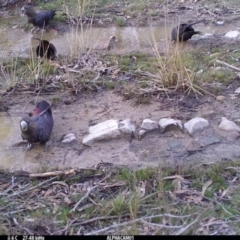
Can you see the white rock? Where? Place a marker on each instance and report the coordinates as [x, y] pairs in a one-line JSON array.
[[233, 96], [109, 124], [126, 126], [228, 125], [206, 35], [142, 132], [148, 124], [220, 23], [196, 123], [69, 138], [237, 91], [165, 122], [232, 34], [200, 71], [220, 98], [102, 131]]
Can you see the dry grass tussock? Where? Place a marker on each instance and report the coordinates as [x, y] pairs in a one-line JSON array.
[[173, 71]]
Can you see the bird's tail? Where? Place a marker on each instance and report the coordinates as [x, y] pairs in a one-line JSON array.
[[37, 39], [197, 32], [191, 24]]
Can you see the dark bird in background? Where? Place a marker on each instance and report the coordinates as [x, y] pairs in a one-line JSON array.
[[37, 126], [111, 43], [46, 49], [38, 19], [184, 31]]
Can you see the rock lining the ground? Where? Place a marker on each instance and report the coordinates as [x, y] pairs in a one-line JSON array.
[[112, 129]]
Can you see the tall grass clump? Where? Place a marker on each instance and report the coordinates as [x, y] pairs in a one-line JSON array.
[[8, 74], [38, 67], [80, 36], [174, 70]]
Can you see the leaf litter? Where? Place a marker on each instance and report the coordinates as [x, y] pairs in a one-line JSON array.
[[96, 201]]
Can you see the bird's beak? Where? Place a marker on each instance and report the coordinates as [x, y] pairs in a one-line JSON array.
[[113, 38], [23, 10], [23, 125]]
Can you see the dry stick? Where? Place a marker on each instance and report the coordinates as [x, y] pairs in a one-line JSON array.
[[228, 65], [99, 219], [30, 189], [109, 175], [213, 223], [94, 203], [134, 221], [214, 201], [66, 227], [4, 193], [9, 204], [49, 174], [187, 227], [11, 189], [210, 13], [82, 199], [16, 223], [161, 225], [113, 185], [13, 212]]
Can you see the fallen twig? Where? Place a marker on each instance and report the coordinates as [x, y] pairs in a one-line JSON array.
[[187, 227], [109, 175], [13, 212], [99, 219], [120, 184], [30, 189], [134, 221], [82, 199], [65, 228], [161, 225], [214, 201], [28, 231], [49, 174], [228, 65]]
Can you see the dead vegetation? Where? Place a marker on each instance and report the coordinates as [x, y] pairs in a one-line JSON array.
[[108, 199]]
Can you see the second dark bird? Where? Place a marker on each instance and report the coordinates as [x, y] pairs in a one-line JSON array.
[[46, 49], [184, 31], [39, 19], [37, 127]]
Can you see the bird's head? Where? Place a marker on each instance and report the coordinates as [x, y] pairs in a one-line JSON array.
[[113, 39], [111, 42], [24, 9], [42, 106], [27, 9], [24, 123]]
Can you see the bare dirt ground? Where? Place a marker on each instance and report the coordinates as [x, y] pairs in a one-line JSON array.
[[87, 110]]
